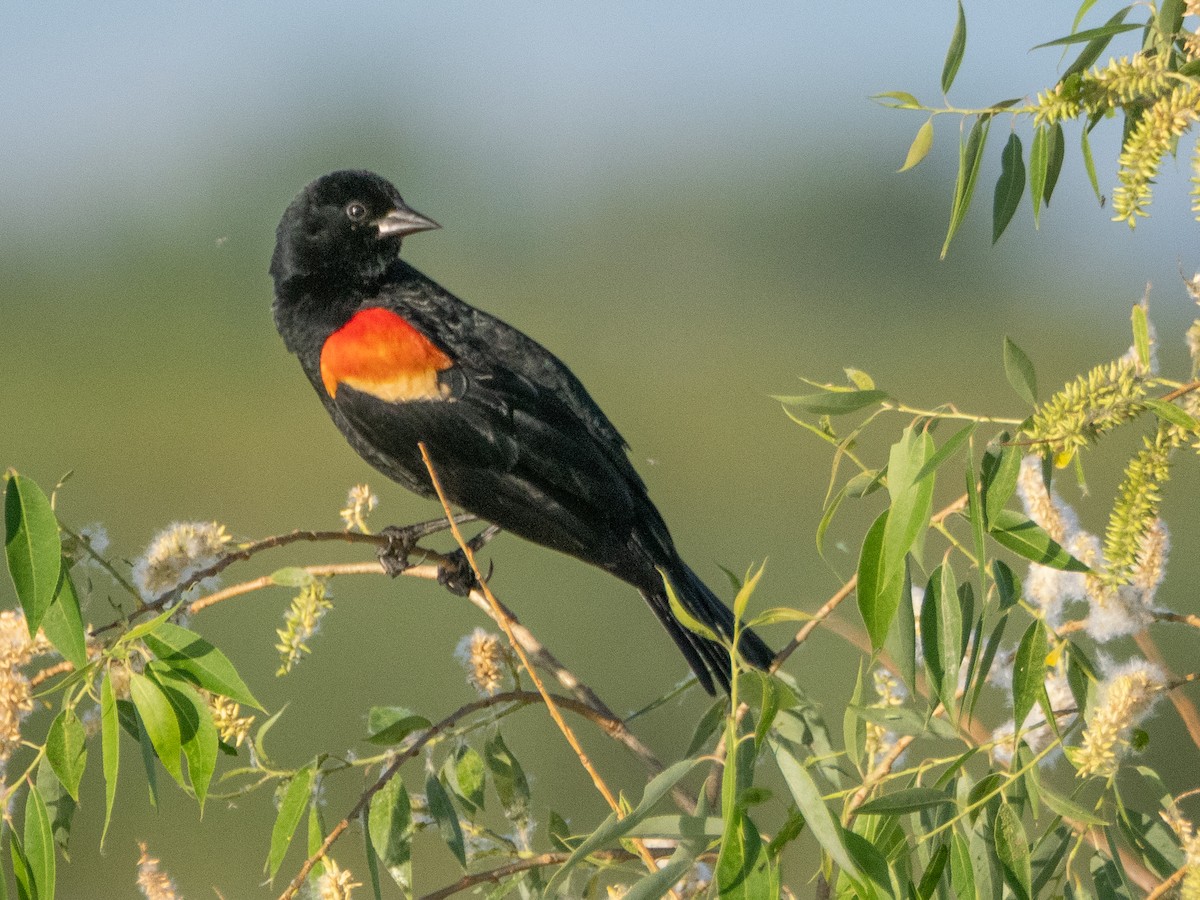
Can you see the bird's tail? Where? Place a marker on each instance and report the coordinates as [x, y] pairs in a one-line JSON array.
[[708, 659]]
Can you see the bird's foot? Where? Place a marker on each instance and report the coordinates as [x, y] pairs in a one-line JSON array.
[[393, 555], [455, 573]]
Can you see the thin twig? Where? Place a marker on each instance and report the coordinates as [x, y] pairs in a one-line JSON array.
[[506, 624]]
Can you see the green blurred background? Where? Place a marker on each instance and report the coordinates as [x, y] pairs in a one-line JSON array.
[[691, 204]]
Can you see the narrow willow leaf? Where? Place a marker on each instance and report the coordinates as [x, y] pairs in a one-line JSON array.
[[1069, 809], [743, 595], [1027, 539], [508, 778], [1169, 412], [292, 576], [59, 805], [879, 588], [316, 836], [1008, 589], [444, 814], [1089, 165], [920, 146], [372, 858], [905, 721], [110, 749], [998, 475], [658, 884], [197, 733], [1096, 46], [158, 718], [906, 801], [962, 875], [834, 402], [613, 828], [66, 750], [1018, 369], [870, 862], [901, 641], [901, 100], [1029, 671], [291, 810], [1089, 34], [706, 727], [1039, 163], [26, 889], [186, 651], [947, 450], [39, 844], [912, 497], [32, 546], [742, 871], [969, 156], [821, 822], [976, 513], [941, 634], [392, 724], [954, 54], [469, 776], [1012, 849], [63, 622], [1010, 186], [933, 872], [686, 619], [1055, 151]]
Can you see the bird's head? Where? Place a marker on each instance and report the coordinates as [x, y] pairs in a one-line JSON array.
[[346, 224]]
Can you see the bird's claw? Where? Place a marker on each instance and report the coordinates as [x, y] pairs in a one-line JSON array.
[[393, 555], [455, 574]]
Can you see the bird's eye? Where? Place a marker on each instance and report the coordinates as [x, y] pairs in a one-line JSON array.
[[355, 211]]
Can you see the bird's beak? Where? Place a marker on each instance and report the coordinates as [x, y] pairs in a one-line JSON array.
[[402, 221]]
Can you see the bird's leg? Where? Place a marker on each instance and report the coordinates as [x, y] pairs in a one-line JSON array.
[[393, 555], [454, 574]]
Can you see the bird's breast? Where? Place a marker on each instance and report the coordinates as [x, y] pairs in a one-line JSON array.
[[379, 353]]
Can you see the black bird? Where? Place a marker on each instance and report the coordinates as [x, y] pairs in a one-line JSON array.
[[513, 435]]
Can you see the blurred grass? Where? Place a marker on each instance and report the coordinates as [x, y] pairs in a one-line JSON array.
[[141, 355]]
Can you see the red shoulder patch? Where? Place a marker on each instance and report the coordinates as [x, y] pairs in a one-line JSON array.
[[381, 354]]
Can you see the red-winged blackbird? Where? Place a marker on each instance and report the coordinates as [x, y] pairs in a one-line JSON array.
[[513, 435]]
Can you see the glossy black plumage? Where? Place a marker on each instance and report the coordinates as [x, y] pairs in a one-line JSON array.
[[515, 437]]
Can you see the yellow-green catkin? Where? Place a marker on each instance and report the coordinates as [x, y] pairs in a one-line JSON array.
[[1095, 403]]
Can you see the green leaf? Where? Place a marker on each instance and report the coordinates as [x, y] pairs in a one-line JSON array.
[[743, 595], [1029, 671], [962, 876], [1010, 186], [777, 614], [110, 748], [26, 889], [1069, 809], [707, 726], [372, 857], [685, 618], [59, 805], [920, 146], [158, 718], [128, 716], [903, 100], [1019, 371], [941, 634], [187, 652], [39, 844], [998, 473], [901, 641], [63, 622], [292, 576], [1012, 849], [1055, 151], [954, 55], [945, 451], [912, 497], [443, 813], [32, 546], [742, 872], [198, 734], [903, 720], [1173, 414], [879, 588], [834, 402], [1008, 589], [1039, 163], [933, 872], [392, 724], [906, 801], [287, 820], [66, 750], [1027, 539], [612, 829], [1090, 34], [1089, 165], [316, 837], [807, 795], [469, 775], [969, 156], [508, 778]]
